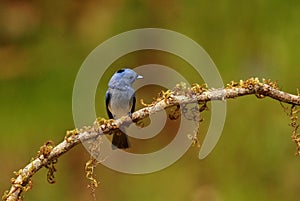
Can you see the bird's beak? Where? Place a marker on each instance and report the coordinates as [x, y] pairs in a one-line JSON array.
[[139, 77]]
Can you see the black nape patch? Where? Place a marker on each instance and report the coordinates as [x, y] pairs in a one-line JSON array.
[[120, 71]]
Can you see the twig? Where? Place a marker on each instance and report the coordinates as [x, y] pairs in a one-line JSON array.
[[49, 153]]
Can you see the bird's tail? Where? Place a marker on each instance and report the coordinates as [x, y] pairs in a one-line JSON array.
[[120, 140]]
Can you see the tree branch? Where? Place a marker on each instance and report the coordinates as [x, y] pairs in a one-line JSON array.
[[49, 153]]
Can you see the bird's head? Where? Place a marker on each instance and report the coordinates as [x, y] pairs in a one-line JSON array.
[[125, 76]]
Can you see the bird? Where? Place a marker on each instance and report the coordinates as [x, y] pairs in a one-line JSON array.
[[120, 101]]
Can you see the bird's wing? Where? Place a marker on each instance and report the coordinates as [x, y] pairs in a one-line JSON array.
[[133, 100], [107, 101]]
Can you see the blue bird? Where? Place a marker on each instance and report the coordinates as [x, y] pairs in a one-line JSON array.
[[120, 101]]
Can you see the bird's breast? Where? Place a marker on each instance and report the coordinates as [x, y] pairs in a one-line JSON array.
[[120, 103]]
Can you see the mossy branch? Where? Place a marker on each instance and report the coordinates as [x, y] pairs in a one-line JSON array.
[[49, 153]]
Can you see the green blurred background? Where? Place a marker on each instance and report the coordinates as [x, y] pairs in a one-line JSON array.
[[43, 44]]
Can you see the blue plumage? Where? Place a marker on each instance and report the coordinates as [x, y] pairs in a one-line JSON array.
[[120, 101]]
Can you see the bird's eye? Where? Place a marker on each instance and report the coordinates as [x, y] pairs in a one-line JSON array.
[[120, 71], [131, 77]]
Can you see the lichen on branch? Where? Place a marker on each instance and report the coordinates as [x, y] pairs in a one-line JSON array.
[[180, 95]]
